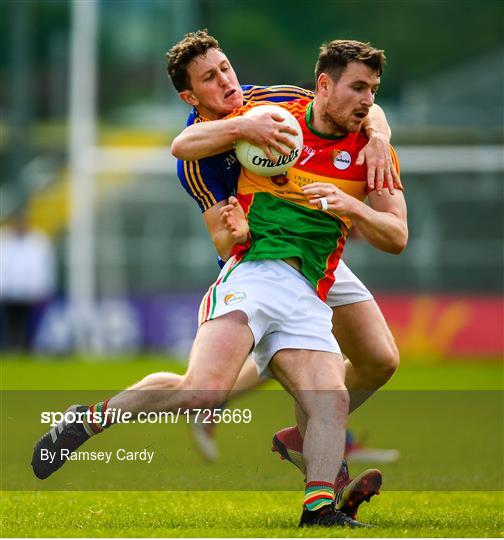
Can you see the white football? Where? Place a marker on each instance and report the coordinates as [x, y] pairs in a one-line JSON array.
[[253, 158]]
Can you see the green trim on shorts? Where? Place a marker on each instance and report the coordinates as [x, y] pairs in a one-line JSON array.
[[214, 292], [214, 302], [230, 270]]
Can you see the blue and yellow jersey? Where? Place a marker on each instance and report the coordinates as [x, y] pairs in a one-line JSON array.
[[213, 179]]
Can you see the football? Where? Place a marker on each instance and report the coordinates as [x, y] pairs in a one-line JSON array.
[[253, 158]]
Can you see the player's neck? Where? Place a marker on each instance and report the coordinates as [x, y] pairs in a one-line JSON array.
[[322, 123], [206, 114]]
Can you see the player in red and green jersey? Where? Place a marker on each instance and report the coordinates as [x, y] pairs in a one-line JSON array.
[[280, 215], [357, 319], [283, 223]]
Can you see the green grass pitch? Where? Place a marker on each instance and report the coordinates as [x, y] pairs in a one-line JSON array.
[[440, 512]]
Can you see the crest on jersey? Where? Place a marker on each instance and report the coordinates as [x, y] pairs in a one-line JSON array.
[[280, 180], [341, 159], [234, 298]]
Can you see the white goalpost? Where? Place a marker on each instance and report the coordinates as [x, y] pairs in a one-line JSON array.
[[81, 142]]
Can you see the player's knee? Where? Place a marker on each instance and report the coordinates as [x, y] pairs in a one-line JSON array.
[[336, 411], [200, 399], [390, 362], [385, 365], [203, 396], [212, 398], [329, 404], [336, 391], [342, 399]]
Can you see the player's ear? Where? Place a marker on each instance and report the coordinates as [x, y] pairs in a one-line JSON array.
[[323, 84], [188, 97]]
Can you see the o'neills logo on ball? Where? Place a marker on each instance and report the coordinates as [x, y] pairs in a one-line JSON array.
[[341, 159], [281, 160]]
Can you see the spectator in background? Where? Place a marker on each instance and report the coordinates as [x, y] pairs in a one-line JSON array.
[[27, 279]]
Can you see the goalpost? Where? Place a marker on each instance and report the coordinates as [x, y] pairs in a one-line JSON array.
[[81, 142]]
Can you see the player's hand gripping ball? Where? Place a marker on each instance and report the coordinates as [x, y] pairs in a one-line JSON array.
[[253, 157]]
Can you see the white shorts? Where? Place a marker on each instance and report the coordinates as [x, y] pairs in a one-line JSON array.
[[282, 307], [347, 288]]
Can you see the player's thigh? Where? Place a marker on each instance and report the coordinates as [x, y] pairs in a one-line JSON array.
[[363, 334], [219, 351]]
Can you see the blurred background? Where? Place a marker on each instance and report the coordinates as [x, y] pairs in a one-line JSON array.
[[103, 252]]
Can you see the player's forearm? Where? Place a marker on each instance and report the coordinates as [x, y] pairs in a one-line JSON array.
[[206, 139], [376, 123], [385, 231], [224, 242]]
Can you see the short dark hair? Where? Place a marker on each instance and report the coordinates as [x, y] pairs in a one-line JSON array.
[[336, 55], [184, 52]]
